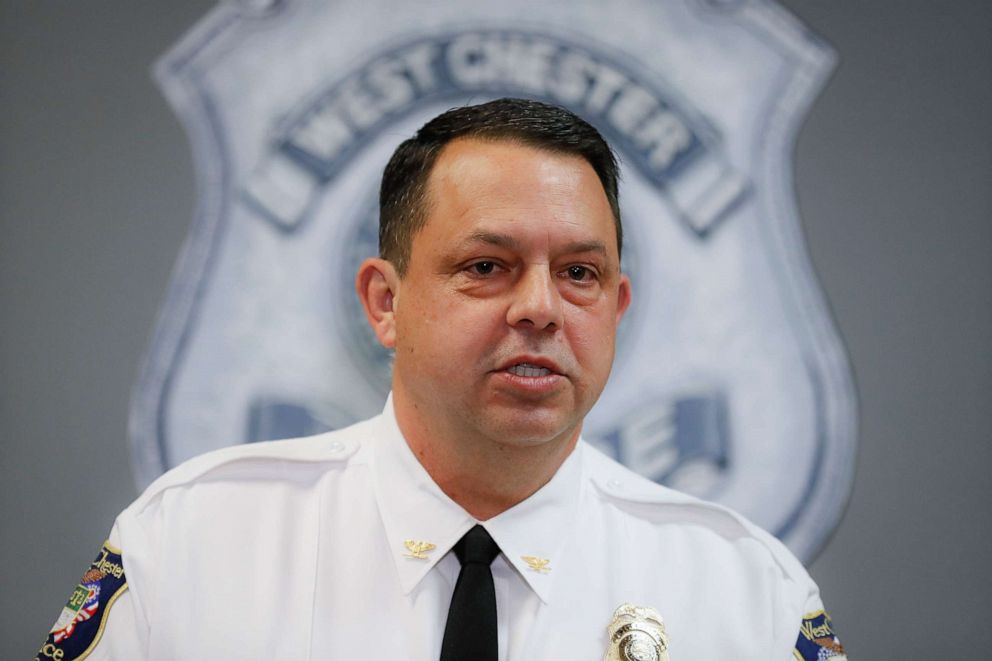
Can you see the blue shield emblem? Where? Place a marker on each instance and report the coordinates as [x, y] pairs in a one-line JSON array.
[[730, 380]]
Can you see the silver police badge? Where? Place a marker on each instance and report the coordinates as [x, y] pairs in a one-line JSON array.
[[636, 633], [730, 381]]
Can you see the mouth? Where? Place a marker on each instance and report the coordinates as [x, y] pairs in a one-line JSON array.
[[530, 377], [528, 370], [531, 367]]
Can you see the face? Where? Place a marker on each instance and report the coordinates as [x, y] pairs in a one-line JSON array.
[[505, 321]]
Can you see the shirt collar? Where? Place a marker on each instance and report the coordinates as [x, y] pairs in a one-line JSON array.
[[534, 534], [415, 510]]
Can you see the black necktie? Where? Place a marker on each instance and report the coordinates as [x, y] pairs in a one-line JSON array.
[[470, 634]]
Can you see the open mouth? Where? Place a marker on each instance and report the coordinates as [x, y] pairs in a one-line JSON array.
[[528, 370]]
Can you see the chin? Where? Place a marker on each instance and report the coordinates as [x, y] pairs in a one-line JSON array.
[[525, 433]]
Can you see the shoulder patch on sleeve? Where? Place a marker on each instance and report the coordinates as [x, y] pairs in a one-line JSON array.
[[80, 625], [817, 640]]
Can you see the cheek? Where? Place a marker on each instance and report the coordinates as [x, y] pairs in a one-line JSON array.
[[443, 327], [592, 337]]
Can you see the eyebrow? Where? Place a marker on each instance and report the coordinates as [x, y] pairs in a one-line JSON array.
[[509, 242], [492, 239]]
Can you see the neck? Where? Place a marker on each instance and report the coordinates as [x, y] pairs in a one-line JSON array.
[[484, 476]]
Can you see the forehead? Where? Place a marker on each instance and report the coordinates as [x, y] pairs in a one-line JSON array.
[[515, 188]]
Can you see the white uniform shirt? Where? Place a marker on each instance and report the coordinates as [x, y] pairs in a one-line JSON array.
[[298, 550]]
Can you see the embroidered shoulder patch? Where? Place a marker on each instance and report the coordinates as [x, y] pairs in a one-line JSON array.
[[817, 640], [80, 625]]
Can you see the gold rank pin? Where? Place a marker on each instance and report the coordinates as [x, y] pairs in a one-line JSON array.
[[540, 565], [417, 549]]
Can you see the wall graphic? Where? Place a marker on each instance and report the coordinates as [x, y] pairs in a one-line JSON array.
[[730, 380]]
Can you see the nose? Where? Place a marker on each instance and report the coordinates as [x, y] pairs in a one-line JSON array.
[[536, 301]]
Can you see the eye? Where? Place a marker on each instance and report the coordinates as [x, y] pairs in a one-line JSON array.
[[578, 273], [482, 268]]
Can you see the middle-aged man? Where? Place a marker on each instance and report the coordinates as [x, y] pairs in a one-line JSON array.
[[468, 521]]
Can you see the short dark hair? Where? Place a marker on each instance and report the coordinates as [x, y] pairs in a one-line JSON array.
[[402, 196]]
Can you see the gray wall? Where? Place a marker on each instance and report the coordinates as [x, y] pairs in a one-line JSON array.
[[893, 179]]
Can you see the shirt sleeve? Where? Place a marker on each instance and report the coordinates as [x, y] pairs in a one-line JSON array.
[[100, 621]]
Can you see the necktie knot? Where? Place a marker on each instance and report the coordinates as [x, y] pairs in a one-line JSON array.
[[476, 547]]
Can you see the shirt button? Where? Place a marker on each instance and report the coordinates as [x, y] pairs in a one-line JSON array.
[[615, 484], [336, 447]]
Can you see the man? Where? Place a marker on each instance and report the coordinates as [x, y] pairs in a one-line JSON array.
[[468, 521]]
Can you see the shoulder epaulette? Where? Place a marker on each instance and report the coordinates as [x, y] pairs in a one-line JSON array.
[[642, 498], [334, 447]]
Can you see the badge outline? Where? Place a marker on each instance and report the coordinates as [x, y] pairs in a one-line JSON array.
[[813, 322]]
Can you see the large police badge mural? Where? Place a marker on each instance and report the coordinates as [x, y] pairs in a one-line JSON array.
[[730, 381]]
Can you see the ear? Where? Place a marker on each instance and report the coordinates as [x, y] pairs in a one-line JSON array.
[[377, 284], [623, 296]]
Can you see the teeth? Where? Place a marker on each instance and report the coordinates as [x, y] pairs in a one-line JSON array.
[[526, 369]]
